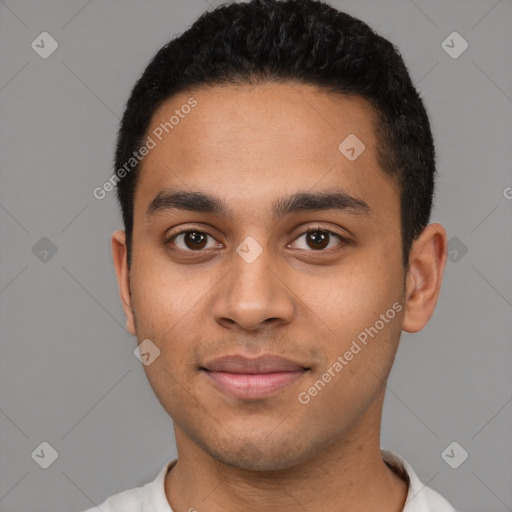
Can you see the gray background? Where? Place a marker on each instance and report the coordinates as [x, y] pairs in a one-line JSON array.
[[68, 375]]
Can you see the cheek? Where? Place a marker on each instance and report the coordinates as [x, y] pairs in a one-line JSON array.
[[164, 298], [358, 303], [359, 362], [172, 389], [166, 311], [350, 298]]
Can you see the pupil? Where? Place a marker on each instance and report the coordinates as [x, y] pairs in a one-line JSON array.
[[196, 238], [318, 238]]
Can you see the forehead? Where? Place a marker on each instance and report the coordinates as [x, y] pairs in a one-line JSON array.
[[252, 143]]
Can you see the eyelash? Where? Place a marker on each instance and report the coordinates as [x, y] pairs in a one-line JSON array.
[[309, 229]]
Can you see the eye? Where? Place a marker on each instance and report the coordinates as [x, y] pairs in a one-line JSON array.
[[195, 240], [191, 240], [320, 239]]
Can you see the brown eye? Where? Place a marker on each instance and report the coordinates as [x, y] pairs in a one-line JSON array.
[[195, 240], [191, 240], [319, 239]]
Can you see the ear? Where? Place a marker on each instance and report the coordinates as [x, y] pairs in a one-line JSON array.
[[427, 262], [119, 255]]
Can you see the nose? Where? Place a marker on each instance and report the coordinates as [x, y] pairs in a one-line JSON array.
[[254, 294]]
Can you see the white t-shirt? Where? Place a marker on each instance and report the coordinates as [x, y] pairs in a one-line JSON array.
[[151, 497]]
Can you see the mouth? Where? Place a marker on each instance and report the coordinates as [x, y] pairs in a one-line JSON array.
[[252, 379]]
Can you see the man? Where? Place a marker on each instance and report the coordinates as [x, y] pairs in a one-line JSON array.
[[275, 171]]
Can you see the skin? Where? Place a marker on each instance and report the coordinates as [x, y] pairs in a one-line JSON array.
[[248, 146]]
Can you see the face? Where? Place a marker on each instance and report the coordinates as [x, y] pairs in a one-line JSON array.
[[272, 266]]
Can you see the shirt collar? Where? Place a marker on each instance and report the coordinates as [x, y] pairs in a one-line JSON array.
[[154, 498]]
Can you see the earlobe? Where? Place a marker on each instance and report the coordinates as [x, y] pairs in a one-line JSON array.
[[424, 277], [119, 253]]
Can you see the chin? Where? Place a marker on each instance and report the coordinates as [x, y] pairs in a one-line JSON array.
[[259, 456]]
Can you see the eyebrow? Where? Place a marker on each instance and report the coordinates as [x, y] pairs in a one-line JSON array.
[[176, 199]]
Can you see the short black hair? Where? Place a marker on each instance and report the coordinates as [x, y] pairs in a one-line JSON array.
[[294, 41]]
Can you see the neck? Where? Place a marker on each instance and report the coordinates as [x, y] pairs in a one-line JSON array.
[[348, 475]]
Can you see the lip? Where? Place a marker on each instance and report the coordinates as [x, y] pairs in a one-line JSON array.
[[266, 363], [252, 378]]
